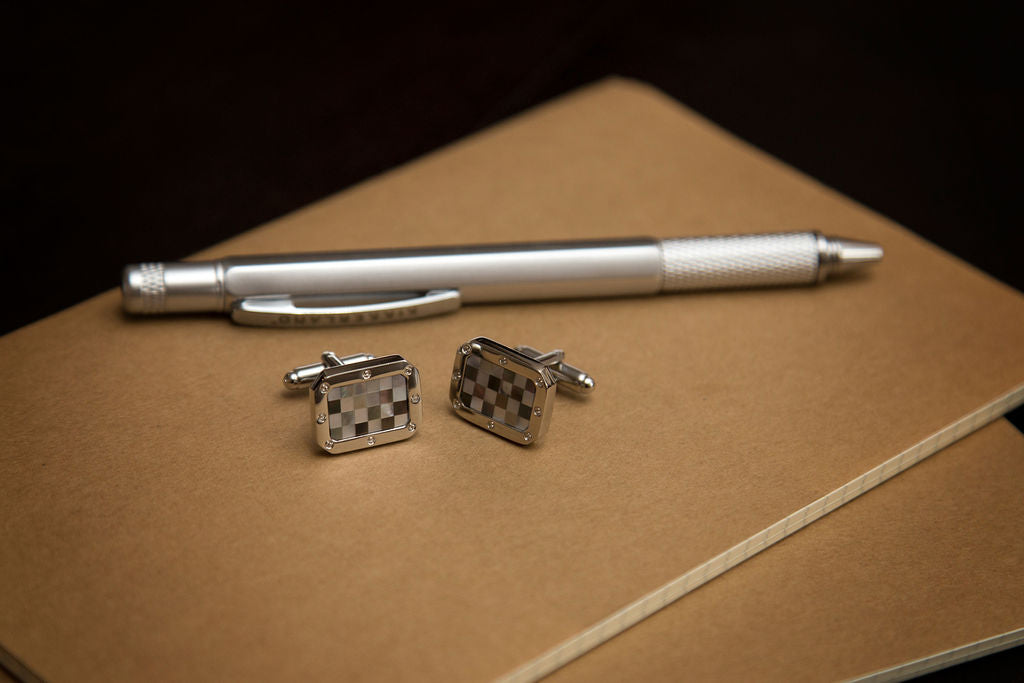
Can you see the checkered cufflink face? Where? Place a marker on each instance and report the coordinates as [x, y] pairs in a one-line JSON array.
[[497, 393], [501, 390], [365, 404], [369, 407]]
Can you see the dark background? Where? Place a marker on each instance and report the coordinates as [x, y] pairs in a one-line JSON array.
[[144, 134]]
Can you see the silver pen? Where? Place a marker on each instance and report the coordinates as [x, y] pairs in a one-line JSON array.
[[357, 287]]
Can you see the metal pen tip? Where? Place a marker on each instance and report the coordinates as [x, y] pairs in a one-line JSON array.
[[840, 255]]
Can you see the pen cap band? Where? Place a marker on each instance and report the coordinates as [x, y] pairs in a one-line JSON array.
[[172, 288]]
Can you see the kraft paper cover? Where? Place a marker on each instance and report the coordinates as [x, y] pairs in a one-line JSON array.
[[926, 563], [164, 509]]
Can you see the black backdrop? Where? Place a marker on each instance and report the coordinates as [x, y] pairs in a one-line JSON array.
[[147, 134]]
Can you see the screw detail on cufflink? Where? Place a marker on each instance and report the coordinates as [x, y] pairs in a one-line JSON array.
[[508, 391], [359, 401]]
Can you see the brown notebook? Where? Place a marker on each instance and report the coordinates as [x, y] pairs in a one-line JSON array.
[[906, 579], [165, 511]]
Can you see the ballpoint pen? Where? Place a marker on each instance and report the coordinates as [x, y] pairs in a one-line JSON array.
[[356, 287]]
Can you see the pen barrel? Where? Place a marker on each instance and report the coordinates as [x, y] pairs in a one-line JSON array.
[[486, 273], [481, 273], [733, 261]]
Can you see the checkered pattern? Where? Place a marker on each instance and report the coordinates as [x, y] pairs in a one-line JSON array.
[[498, 393], [375, 405]]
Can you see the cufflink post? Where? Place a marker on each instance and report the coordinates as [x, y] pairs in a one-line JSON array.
[[569, 376], [304, 375]]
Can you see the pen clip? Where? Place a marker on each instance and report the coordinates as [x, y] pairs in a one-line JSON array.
[[287, 311]]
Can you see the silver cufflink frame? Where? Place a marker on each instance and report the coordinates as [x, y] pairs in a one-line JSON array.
[[510, 391], [340, 427]]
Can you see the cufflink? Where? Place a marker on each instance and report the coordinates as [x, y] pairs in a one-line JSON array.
[[510, 391], [359, 401]]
